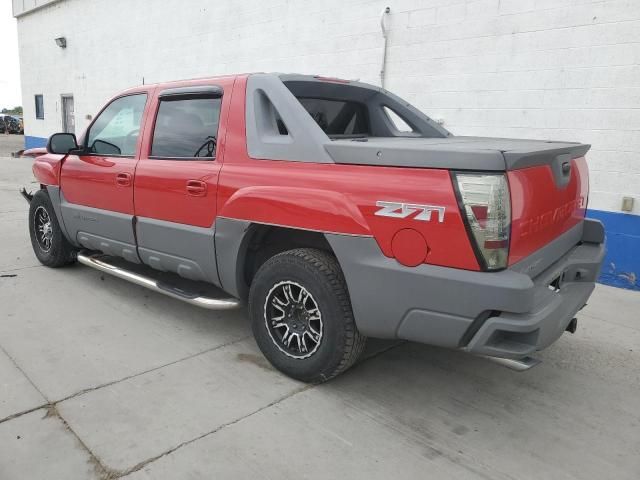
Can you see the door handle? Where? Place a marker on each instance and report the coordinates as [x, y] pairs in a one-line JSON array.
[[123, 179], [196, 188]]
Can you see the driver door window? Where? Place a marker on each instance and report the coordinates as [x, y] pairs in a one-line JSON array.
[[116, 130]]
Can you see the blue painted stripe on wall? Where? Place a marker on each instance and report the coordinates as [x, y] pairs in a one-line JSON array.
[[34, 142], [621, 267]]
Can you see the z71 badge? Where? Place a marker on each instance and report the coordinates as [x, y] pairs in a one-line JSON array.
[[404, 210]]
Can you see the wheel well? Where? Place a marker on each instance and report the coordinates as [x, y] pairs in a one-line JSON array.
[[265, 241]]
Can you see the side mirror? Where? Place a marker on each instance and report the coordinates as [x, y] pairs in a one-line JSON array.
[[62, 143], [105, 148]]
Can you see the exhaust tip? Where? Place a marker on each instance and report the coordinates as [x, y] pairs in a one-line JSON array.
[[517, 364], [573, 326]]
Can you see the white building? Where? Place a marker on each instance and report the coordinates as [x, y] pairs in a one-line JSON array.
[[556, 69]]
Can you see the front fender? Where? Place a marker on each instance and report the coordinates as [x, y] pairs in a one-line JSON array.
[[46, 168], [302, 208]]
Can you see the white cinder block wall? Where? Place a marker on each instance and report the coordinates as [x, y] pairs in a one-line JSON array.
[[553, 69]]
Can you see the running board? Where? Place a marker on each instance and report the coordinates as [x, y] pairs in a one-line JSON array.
[[92, 260], [517, 364]]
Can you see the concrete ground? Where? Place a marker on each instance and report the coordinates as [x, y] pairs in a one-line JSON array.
[[103, 379], [10, 144]]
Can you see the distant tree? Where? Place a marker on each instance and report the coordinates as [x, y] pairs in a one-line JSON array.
[[13, 111]]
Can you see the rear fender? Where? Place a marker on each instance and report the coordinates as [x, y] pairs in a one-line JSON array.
[[302, 208]]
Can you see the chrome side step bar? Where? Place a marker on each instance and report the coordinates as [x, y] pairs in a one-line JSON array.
[[517, 364], [92, 260]]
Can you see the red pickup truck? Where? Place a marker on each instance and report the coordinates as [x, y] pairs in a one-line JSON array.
[[335, 209]]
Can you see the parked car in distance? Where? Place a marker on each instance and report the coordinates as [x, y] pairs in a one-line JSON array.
[[20, 125], [11, 123], [335, 209]]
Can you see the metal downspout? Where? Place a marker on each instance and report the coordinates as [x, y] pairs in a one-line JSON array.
[[385, 35]]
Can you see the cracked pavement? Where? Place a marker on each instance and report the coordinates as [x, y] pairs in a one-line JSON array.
[[101, 379]]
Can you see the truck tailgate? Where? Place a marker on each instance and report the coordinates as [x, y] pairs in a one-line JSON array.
[[546, 201]]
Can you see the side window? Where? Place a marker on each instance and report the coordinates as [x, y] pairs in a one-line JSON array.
[[39, 107], [186, 128], [116, 130]]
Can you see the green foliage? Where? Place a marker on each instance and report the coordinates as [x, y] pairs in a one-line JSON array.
[[12, 111]]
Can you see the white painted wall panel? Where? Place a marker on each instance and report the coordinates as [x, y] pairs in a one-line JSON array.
[[20, 7], [557, 69]]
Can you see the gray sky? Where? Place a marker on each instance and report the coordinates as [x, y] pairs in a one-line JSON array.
[[9, 65]]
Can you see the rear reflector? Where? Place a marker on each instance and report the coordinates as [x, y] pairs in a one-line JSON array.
[[490, 244]]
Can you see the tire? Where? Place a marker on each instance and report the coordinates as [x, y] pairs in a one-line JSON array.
[[49, 244], [312, 282]]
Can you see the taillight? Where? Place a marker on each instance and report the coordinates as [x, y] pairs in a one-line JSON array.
[[484, 201]]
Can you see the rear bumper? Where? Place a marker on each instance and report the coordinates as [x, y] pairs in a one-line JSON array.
[[507, 314], [558, 294]]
